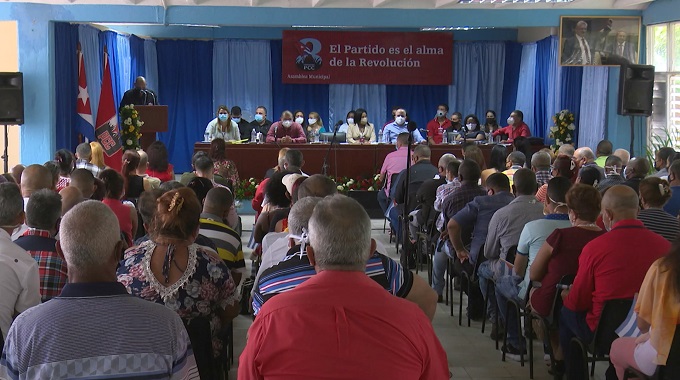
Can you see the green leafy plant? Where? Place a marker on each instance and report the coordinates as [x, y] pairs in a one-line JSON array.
[[245, 189]]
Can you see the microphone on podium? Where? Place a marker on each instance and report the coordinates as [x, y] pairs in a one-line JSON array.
[[338, 124]]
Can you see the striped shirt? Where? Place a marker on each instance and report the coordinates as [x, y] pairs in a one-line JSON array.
[[83, 164], [42, 247], [227, 241], [120, 336], [660, 222], [295, 269]]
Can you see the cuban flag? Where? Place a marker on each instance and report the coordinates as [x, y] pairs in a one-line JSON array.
[[107, 121], [84, 124]]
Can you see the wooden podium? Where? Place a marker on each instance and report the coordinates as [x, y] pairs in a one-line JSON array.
[[155, 120]]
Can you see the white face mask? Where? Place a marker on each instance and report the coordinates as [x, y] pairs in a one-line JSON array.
[[287, 123], [400, 120], [350, 120], [364, 120], [299, 120], [449, 181], [511, 120], [471, 126], [440, 113], [311, 121]]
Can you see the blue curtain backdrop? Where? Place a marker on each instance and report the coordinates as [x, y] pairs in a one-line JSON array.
[[137, 67], [186, 85], [553, 101], [66, 84], [307, 97], [570, 91], [546, 61], [513, 60], [89, 43], [242, 75], [346, 97], [593, 106], [151, 67], [118, 47], [478, 71], [527, 85]]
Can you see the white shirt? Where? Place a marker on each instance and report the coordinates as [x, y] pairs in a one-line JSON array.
[[586, 59], [19, 281], [23, 228], [214, 133]]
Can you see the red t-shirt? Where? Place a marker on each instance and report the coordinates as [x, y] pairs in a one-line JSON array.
[[165, 176], [433, 129], [613, 266], [567, 244], [123, 215], [513, 133]]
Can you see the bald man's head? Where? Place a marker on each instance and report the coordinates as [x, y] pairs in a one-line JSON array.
[[34, 178], [218, 201], [70, 197], [637, 168], [317, 186], [84, 181], [620, 202]]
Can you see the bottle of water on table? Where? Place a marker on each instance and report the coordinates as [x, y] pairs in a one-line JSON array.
[[206, 137], [253, 136]]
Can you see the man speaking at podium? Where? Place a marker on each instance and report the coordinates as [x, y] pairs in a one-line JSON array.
[[139, 95]]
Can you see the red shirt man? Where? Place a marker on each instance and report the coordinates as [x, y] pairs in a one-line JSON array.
[[434, 136], [516, 127]]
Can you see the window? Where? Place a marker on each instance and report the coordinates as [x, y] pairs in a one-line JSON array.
[[663, 42]]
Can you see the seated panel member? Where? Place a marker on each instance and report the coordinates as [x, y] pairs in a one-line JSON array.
[[434, 136], [515, 128], [286, 130], [473, 131], [222, 127], [244, 126], [362, 132], [260, 122], [392, 130], [350, 121]]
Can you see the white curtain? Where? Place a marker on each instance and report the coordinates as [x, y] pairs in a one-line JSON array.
[[593, 113], [151, 66], [89, 43], [526, 85], [343, 98]]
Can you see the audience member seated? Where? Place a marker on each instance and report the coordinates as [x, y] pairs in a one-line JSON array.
[[159, 166], [16, 172], [514, 286], [205, 168], [223, 167], [635, 172], [567, 150], [70, 197], [260, 122], [188, 176], [468, 175], [362, 132], [339, 247], [654, 193], [392, 130], [613, 167], [279, 218], [437, 126], [216, 207], [584, 157], [472, 152], [496, 162], [143, 167], [126, 214], [589, 176], [673, 205], [83, 157], [473, 130], [64, 159], [97, 155], [540, 164], [258, 200], [179, 274], [658, 315], [43, 212], [84, 181], [53, 167], [223, 127], [563, 166], [394, 163], [611, 266], [57, 340], [200, 186], [604, 149], [443, 191], [33, 178], [661, 161], [504, 231], [286, 130], [133, 183], [19, 277], [478, 214], [559, 255], [514, 162], [276, 196], [624, 155], [294, 161], [515, 128]]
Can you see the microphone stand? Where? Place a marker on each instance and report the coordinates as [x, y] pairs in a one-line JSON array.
[[324, 167], [404, 257]]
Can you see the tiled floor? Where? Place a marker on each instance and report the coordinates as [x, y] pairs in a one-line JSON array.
[[471, 355]]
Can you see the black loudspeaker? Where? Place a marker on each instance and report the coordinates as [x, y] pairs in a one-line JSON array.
[[636, 89], [11, 98]]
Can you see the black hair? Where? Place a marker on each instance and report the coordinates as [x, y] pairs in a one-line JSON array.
[[498, 156], [65, 161], [498, 182]]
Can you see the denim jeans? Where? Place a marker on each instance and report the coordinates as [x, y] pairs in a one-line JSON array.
[[486, 275], [439, 265], [383, 200], [507, 289], [573, 324]]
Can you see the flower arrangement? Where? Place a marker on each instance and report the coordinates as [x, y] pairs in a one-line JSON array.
[[346, 184], [563, 129], [245, 189], [130, 130]]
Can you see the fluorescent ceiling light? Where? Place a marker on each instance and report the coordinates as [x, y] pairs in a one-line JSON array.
[[447, 28], [511, 1]]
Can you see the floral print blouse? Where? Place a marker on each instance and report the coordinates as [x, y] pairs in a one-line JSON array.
[[205, 289], [227, 169]]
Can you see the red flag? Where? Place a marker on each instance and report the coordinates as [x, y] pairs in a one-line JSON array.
[[107, 121]]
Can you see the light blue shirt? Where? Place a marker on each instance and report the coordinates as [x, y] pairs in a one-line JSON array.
[[392, 131]]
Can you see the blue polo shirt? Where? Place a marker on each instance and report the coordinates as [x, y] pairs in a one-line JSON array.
[[393, 130]]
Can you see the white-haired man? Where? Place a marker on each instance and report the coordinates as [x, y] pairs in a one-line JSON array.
[[120, 336], [374, 335], [584, 157]]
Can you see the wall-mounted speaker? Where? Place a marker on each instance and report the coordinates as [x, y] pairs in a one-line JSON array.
[[11, 98], [636, 90]]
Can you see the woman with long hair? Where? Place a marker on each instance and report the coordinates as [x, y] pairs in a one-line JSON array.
[[97, 158], [362, 132], [223, 167], [133, 184], [490, 124], [158, 165], [473, 131], [314, 126], [126, 214], [66, 163], [299, 117], [222, 127], [496, 162]]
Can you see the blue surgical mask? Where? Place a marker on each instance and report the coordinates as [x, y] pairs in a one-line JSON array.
[[236, 119], [259, 117], [223, 117]]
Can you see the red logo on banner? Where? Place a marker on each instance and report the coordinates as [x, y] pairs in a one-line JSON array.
[[367, 58]]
